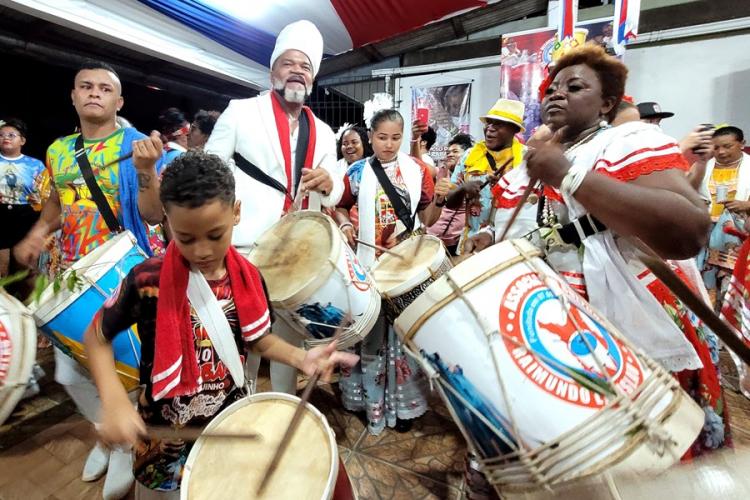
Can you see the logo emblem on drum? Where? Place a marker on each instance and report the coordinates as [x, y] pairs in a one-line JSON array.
[[6, 352], [357, 273], [531, 315]]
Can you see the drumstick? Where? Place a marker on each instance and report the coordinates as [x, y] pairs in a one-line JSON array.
[[519, 207], [296, 417], [192, 434], [378, 247], [116, 160], [665, 273]]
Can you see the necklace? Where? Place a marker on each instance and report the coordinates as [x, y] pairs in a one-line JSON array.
[[587, 138], [730, 164]]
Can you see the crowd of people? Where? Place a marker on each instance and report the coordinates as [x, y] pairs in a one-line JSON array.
[[197, 195]]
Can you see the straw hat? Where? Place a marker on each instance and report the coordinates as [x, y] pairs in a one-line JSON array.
[[506, 110]]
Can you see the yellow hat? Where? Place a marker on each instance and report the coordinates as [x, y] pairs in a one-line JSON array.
[[506, 110]]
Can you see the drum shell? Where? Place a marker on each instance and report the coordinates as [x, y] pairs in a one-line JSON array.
[[65, 315], [397, 298], [486, 282], [17, 352], [270, 437], [341, 286]]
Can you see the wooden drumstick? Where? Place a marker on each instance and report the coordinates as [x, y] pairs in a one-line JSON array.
[[519, 207], [378, 247], [192, 434], [297, 416], [117, 160]]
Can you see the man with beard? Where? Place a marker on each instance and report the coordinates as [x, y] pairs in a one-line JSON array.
[[280, 153]]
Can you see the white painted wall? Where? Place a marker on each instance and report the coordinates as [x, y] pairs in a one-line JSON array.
[[702, 81], [485, 90]]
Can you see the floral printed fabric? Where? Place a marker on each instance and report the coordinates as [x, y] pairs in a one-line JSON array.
[[703, 385], [387, 384]]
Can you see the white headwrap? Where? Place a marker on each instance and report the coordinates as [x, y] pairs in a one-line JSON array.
[[302, 36]]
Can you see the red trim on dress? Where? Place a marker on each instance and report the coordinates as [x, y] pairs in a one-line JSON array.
[[645, 167]]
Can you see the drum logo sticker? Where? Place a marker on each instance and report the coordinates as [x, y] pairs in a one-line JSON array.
[[357, 273], [6, 352], [545, 342]]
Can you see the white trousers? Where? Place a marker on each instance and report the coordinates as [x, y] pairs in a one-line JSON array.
[[78, 384], [283, 377]]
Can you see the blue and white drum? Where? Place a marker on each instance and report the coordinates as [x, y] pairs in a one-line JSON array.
[[64, 315]]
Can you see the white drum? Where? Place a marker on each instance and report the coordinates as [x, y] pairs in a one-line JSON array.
[[315, 280], [401, 278], [544, 389], [223, 468], [17, 352]]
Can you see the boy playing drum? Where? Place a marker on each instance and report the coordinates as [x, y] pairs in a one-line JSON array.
[[189, 375]]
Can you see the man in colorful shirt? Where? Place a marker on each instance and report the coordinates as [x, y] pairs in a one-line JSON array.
[[131, 189], [499, 152]]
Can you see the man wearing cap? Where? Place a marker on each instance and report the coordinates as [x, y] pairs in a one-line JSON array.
[[651, 113], [279, 153], [499, 152]]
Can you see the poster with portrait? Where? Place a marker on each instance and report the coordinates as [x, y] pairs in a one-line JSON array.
[[524, 57], [447, 109]]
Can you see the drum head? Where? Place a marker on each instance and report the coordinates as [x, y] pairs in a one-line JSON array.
[[224, 468], [391, 272], [292, 253]]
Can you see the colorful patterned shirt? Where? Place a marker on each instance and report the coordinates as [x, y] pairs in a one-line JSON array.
[[722, 178], [21, 179], [159, 464], [83, 227], [385, 215]]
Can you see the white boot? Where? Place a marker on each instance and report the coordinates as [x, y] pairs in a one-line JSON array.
[[119, 476], [96, 463]]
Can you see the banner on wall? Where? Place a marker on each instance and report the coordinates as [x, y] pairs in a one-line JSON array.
[[447, 110], [524, 57]]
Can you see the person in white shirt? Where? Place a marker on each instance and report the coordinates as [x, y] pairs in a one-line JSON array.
[[279, 151]]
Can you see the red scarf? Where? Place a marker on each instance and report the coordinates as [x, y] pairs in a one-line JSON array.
[[282, 128], [175, 371]]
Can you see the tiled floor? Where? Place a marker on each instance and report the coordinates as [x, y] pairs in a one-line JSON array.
[[425, 463]]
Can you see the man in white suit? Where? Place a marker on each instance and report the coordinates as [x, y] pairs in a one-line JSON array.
[[279, 151]]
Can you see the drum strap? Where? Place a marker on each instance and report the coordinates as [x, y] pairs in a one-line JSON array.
[[256, 173], [96, 192], [216, 324], [303, 142], [399, 206]]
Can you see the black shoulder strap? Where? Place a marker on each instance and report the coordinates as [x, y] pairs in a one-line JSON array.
[[303, 140], [96, 192], [402, 212], [257, 174], [491, 161]]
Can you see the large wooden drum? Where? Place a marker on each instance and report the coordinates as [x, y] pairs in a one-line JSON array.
[[223, 468]]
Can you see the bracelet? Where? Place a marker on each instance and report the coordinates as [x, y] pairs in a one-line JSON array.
[[572, 181], [441, 203], [346, 224]]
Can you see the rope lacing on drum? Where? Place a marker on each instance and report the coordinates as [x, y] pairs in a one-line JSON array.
[[659, 438]]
